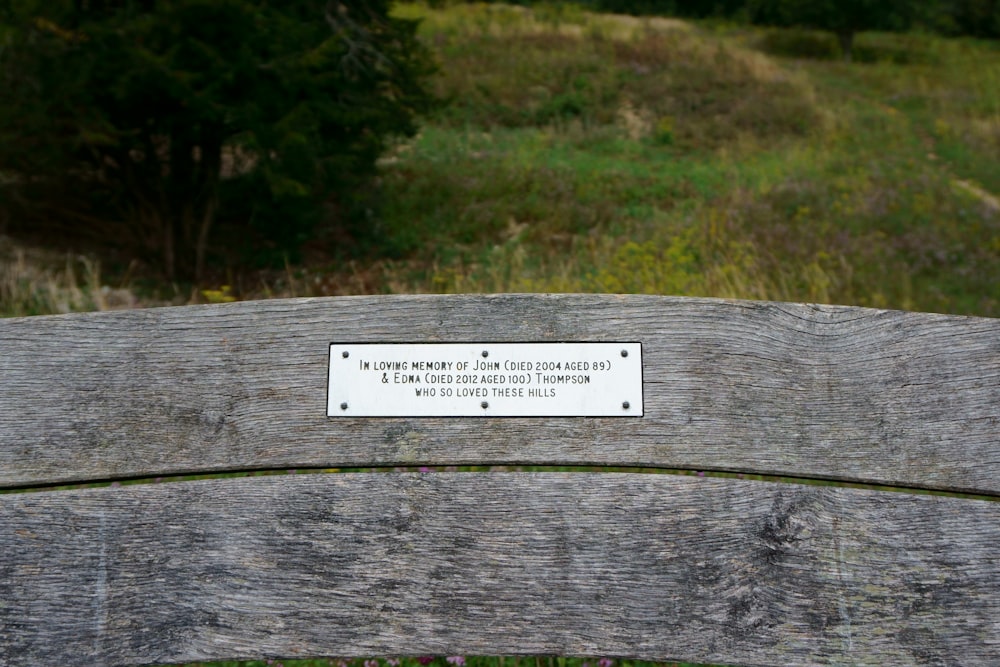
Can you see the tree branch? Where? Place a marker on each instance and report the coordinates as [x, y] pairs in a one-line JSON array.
[[360, 52]]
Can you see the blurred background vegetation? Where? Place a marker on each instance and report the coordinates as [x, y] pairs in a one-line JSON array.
[[163, 152]]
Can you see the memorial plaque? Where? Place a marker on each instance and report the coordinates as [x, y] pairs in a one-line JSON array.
[[485, 380]]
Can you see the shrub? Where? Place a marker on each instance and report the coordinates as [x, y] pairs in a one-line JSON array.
[[162, 123], [799, 44]]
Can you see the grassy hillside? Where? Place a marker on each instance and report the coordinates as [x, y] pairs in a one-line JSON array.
[[605, 153], [585, 152]]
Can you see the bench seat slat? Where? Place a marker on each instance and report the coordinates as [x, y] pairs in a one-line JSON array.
[[660, 567], [904, 399]]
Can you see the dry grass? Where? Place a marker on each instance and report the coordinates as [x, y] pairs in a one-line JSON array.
[[512, 67], [501, 20], [35, 281]]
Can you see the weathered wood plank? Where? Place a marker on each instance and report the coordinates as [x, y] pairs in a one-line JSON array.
[[843, 393], [654, 566]]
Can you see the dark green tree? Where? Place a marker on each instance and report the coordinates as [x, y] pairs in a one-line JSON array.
[[844, 18], [160, 120], [980, 18]]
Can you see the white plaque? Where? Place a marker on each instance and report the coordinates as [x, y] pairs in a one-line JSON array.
[[485, 380]]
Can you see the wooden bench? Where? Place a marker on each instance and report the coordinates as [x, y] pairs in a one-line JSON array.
[[631, 563]]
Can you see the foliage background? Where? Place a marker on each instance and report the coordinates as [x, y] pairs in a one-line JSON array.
[[158, 124], [580, 151]]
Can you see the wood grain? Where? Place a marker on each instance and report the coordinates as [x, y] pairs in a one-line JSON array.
[[660, 567], [886, 397]]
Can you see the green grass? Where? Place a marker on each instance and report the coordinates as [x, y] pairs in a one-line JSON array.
[[590, 153]]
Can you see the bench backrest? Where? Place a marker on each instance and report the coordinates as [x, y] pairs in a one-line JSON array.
[[713, 568]]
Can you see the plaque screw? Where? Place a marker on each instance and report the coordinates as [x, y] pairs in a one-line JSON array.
[[343, 406], [484, 405], [345, 354], [625, 405], [624, 353], [485, 353]]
